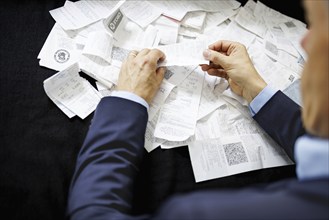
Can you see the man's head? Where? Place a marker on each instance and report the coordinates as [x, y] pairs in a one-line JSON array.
[[315, 81]]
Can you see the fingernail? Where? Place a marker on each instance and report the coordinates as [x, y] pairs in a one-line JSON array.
[[206, 54]]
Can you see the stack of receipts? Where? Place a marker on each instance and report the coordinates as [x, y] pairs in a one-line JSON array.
[[191, 107]]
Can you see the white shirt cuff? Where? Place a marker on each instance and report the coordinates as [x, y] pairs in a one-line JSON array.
[[261, 99], [312, 161], [130, 96]]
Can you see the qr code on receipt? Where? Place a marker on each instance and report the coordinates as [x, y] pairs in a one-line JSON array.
[[235, 153]]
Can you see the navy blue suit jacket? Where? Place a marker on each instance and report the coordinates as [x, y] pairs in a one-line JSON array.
[[102, 185]]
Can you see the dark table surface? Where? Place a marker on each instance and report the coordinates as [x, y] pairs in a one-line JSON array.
[[39, 144]]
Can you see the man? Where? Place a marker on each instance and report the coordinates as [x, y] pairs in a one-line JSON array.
[[109, 160]]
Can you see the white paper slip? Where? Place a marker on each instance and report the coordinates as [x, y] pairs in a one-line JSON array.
[[94, 67], [294, 92], [62, 107], [177, 74], [124, 31], [167, 30], [233, 32], [295, 31], [268, 68], [213, 6], [160, 98], [175, 144], [211, 98], [147, 39], [184, 54], [254, 24], [282, 57], [217, 124], [79, 14], [215, 18], [74, 92], [151, 142], [178, 115], [217, 158], [194, 19], [229, 93], [99, 44], [141, 12], [59, 51], [104, 90], [173, 9], [281, 41], [178, 9]]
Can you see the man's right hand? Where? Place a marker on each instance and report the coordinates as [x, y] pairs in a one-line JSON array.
[[230, 60]]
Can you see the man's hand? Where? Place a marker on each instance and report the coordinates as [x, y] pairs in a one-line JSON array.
[[230, 60], [139, 73]]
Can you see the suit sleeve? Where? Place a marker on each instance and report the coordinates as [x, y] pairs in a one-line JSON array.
[[280, 117], [108, 162]]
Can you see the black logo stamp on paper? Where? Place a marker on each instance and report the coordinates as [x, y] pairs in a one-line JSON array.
[[115, 21], [61, 56]]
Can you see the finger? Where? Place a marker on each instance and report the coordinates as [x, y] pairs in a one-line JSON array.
[[226, 47], [222, 45], [132, 54], [143, 52], [218, 72], [156, 54], [205, 67], [215, 57], [160, 73], [211, 65]]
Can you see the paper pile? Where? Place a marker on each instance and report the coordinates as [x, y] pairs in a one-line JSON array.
[[191, 107]]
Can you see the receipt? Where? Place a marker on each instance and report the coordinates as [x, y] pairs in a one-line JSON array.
[[168, 30], [75, 15], [178, 9], [184, 54], [268, 68], [233, 32], [254, 24], [99, 44], [211, 98], [178, 115], [215, 18], [73, 91], [147, 39], [151, 142], [160, 97], [141, 12], [194, 19], [59, 50]]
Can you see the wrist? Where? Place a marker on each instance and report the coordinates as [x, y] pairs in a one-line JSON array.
[[251, 92]]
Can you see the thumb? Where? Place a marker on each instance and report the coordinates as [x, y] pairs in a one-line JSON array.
[[215, 57]]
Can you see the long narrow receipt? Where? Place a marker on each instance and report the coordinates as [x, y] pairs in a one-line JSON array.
[[184, 54], [99, 44], [72, 91], [160, 97], [211, 98], [178, 115], [152, 142]]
